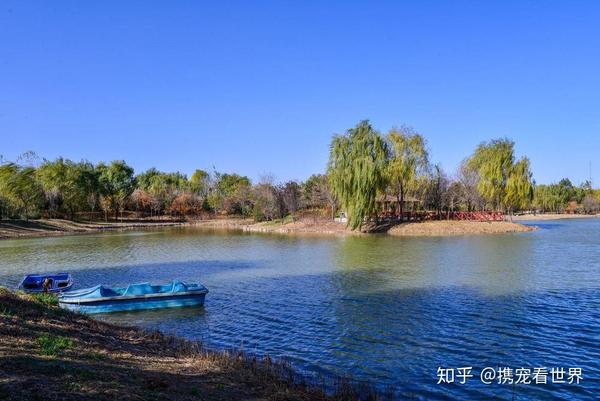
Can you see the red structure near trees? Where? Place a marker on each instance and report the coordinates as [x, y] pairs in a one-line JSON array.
[[445, 215]]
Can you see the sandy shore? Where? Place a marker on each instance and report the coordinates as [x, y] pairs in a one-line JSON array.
[[47, 353], [449, 228], [56, 227], [328, 227], [553, 216], [305, 225]]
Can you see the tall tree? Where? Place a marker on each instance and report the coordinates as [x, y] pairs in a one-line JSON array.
[[316, 193], [495, 163], [20, 190], [199, 182], [408, 158], [67, 185], [519, 187], [229, 193], [436, 190], [117, 183], [356, 170], [291, 197], [468, 178]]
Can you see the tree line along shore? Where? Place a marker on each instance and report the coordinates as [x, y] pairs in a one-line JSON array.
[[369, 177]]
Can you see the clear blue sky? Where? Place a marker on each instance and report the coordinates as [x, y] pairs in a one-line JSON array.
[[258, 87]]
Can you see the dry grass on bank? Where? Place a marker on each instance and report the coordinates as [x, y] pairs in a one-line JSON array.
[[305, 224], [301, 225], [53, 227], [322, 225], [454, 227], [47, 353]]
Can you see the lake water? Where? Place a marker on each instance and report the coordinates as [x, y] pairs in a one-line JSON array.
[[389, 310]]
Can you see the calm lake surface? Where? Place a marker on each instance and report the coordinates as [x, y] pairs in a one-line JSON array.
[[389, 310]]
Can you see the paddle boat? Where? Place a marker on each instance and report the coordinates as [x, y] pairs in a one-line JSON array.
[[102, 299], [54, 282]]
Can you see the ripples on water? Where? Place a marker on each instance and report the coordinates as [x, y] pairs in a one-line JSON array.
[[389, 310]]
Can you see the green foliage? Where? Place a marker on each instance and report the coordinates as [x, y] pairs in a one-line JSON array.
[[546, 199], [493, 161], [519, 187], [555, 197], [116, 184], [200, 182], [230, 193], [408, 159], [51, 345], [68, 186], [46, 299], [502, 182], [315, 192], [162, 187], [356, 170], [20, 192]]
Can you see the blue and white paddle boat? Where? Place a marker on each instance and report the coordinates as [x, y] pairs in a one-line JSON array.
[[53, 282], [102, 299]]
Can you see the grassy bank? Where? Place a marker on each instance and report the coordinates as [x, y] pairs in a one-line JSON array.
[[47, 353]]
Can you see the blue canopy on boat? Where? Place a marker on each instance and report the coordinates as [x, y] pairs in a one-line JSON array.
[[133, 290]]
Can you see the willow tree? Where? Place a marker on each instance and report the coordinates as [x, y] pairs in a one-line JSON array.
[[356, 170], [67, 185], [21, 192], [408, 158], [502, 182], [519, 187]]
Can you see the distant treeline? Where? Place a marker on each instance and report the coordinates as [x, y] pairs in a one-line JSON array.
[[363, 167], [63, 188]]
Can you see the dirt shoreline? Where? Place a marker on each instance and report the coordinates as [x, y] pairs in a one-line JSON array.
[[52, 354], [328, 227], [13, 229], [454, 228]]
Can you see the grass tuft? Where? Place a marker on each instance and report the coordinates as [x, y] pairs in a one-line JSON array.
[[46, 299], [52, 345]]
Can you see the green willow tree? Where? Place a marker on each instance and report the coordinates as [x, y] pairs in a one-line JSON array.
[[67, 185], [519, 186], [502, 183], [20, 190], [408, 158], [356, 170]]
